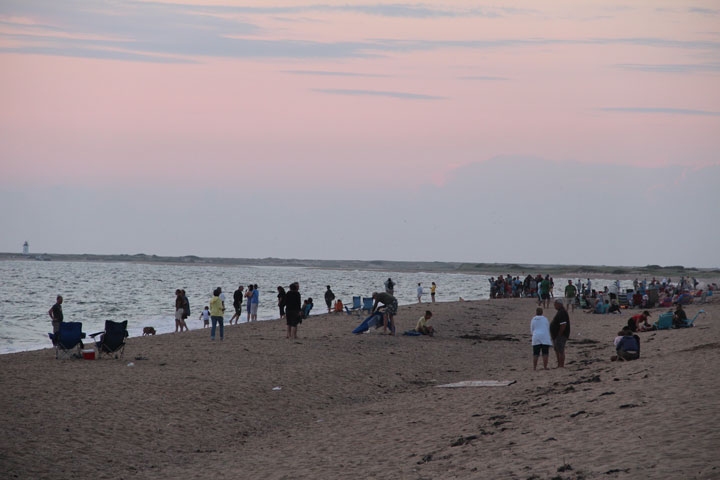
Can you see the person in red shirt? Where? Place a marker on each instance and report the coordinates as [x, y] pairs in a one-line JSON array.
[[636, 320]]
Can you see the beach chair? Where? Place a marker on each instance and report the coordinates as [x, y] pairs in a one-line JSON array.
[[112, 339], [690, 322], [623, 300], [367, 304], [68, 339], [685, 299], [664, 321], [357, 305]]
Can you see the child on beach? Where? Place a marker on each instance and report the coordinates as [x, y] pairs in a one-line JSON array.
[[423, 325], [433, 287], [205, 317]]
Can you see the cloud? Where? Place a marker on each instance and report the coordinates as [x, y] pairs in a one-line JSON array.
[[333, 74], [80, 52], [159, 30], [483, 78], [661, 110], [376, 93], [704, 11], [671, 68], [393, 10]]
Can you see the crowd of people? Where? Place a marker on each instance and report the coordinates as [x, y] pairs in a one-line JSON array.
[[545, 334]]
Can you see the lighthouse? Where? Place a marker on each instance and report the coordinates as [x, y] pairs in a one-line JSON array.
[[26, 248]]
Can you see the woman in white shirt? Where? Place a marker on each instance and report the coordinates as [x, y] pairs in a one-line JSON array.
[[541, 341]]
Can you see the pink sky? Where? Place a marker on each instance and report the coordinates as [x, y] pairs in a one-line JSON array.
[[112, 94]]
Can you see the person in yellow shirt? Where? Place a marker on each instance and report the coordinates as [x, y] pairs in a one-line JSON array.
[[432, 292], [423, 324], [216, 313]]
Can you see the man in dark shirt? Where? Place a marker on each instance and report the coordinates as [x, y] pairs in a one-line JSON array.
[[237, 304], [560, 331], [329, 297], [56, 314]]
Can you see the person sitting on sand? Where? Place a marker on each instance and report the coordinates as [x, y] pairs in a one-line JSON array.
[[423, 325], [627, 346], [679, 317], [338, 306], [540, 330], [614, 307], [634, 323], [594, 306]]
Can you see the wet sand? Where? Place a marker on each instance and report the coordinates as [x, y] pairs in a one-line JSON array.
[[367, 407]]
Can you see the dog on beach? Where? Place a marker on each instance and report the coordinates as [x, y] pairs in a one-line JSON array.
[[148, 331]]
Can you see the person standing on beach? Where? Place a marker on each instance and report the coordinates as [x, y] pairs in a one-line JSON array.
[[419, 292], [391, 306], [293, 314], [186, 309], [545, 292], [281, 301], [390, 286], [433, 287], [237, 305], [570, 294], [217, 310], [254, 303], [560, 331], [56, 316], [248, 296], [541, 341], [179, 311], [222, 297], [329, 297]]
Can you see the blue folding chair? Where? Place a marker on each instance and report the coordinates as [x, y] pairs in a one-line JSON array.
[[68, 338], [367, 304], [691, 322], [664, 321], [356, 306], [112, 339]]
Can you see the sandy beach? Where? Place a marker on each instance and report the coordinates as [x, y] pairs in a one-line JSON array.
[[367, 406]]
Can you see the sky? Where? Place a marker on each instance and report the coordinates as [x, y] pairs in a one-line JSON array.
[[527, 132]]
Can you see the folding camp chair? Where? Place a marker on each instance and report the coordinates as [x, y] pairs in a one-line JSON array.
[[68, 338], [664, 321], [623, 300], [690, 322], [367, 304], [356, 306], [112, 339]]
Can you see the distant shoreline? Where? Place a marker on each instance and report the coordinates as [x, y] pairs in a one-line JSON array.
[[383, 265]]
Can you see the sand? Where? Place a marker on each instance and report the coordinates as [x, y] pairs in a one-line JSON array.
[[367, 407]]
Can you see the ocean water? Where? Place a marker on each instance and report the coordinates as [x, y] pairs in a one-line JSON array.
[[144, 294]]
